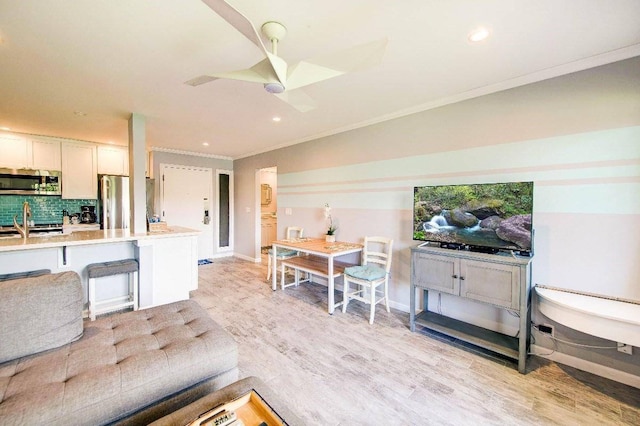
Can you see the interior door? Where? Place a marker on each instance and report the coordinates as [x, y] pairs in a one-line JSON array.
[[186, 201]]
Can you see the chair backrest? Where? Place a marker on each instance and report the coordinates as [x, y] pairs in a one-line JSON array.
[[378, 250], [294, 232]]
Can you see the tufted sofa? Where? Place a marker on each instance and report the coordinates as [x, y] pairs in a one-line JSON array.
[[128, 368]]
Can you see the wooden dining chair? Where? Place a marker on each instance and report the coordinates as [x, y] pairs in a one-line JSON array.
[[291, 232], [368, 277]]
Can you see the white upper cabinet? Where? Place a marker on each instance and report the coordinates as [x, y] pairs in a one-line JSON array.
[[113, 160], [20, 153], [79, 171], [45, 155], [14, 152]]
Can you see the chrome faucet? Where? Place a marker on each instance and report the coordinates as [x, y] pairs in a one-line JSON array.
[[24, 229]]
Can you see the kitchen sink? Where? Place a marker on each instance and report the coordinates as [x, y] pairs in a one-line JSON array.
[[34, 235], [35, 231]]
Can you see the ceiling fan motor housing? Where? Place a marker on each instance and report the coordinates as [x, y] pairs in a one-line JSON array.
[[275, 87]]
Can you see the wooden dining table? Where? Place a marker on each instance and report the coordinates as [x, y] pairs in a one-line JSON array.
[[316, 247]]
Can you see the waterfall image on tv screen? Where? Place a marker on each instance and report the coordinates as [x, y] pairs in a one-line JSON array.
[[495, 215]]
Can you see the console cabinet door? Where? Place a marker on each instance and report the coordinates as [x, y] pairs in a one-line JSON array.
[[494, 283], [439, 273]]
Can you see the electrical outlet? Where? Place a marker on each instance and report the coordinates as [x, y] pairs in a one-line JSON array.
[[627, 349], [546, 329]]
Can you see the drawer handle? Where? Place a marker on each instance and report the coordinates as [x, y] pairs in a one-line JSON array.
[[454, 276], [461, 278]]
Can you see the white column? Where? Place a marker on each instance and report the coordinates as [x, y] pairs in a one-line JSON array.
[[137, 167]]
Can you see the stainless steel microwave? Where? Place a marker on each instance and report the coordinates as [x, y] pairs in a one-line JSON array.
[[30, 182]]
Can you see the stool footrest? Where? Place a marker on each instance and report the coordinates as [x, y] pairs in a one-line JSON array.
[[127, 297]]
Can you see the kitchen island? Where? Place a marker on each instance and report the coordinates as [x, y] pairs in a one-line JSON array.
[[168, 260]]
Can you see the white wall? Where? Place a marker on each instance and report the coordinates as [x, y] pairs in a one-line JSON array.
[[577, 137]]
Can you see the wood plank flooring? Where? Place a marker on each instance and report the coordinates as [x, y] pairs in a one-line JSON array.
[[339, 370]]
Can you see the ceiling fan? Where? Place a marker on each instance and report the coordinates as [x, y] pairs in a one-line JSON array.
[[273, 72]]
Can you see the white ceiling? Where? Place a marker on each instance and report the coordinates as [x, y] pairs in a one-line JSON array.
[[109, 58]]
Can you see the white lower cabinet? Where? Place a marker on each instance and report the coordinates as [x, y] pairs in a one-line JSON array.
[[269, 230], [168, 269], [500, 280], [79, 171]]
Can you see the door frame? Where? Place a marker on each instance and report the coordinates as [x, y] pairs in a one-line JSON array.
[[257, 207], [216, 242]]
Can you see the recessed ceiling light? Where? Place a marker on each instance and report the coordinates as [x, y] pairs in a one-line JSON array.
[[276, 119], [80, 113], [205, 143], [478, 35]]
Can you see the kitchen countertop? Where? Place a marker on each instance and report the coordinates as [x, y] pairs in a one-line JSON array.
[[88, 237], [68, 229]]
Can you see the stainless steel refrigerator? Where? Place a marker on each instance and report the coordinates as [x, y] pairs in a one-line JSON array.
[[114, 201]]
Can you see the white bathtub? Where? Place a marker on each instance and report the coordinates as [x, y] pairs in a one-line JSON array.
[[598, 316]]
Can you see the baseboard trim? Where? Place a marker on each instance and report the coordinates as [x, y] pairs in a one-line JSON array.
[[221, 255], [588, 366], [243, 257]]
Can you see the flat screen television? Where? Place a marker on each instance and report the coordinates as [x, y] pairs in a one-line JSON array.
[[483, 217]]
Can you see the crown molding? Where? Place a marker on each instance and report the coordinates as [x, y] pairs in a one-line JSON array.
[[544, 74], [191, 153]]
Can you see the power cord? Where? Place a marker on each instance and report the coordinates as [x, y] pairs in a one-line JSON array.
[[580, 345]]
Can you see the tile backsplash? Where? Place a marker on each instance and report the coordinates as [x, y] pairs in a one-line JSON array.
[[44, 208]]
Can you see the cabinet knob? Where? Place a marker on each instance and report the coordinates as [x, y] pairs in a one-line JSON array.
[[461, 278], [454, 276]]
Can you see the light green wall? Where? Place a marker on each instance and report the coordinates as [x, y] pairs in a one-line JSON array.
[[576, 136]]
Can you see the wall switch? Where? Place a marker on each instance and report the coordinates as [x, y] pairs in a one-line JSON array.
[[247, 209], [627, 349], [288, 211]]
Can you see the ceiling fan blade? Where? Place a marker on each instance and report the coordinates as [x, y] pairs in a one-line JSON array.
[[200, 80], [279, 67], [334, 64], [297, 99], [262, 72], [237, 20], [241, 23]]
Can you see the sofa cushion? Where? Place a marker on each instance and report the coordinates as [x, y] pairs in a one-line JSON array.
[[123, 363], [39, 313], [26, 274], [366, 272]]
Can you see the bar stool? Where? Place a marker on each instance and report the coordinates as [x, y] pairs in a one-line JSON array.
[[107, 269]]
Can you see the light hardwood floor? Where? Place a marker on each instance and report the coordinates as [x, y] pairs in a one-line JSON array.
[[339, 370]]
